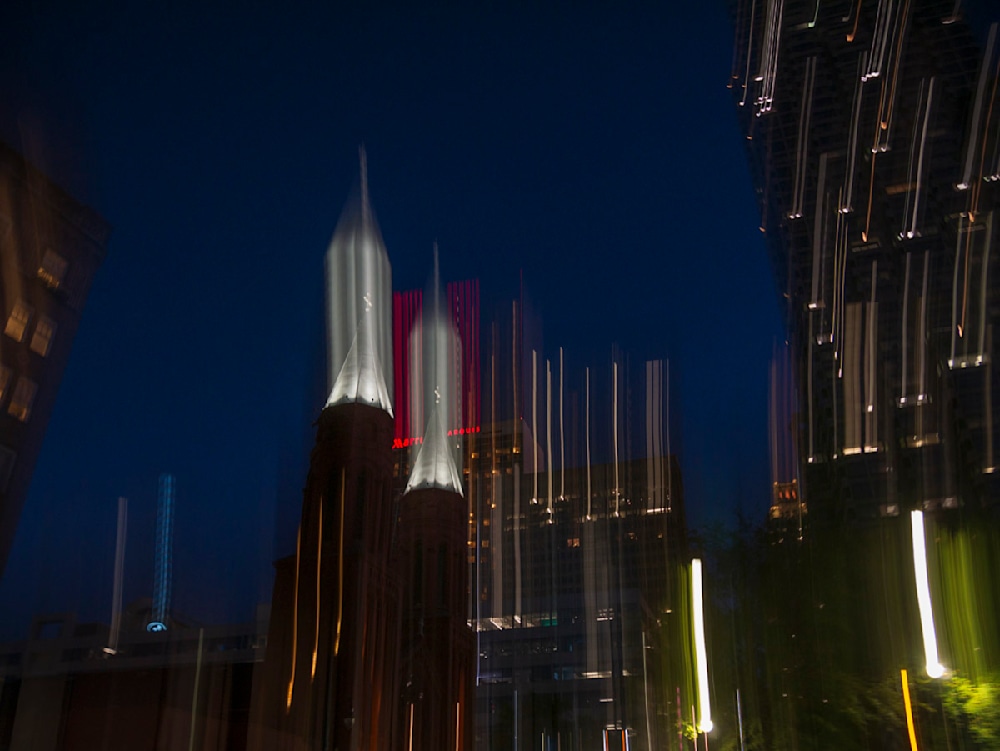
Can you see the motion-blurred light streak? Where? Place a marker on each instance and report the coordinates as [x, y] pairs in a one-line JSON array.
[[934, 668], [909, 710], [701, 655]]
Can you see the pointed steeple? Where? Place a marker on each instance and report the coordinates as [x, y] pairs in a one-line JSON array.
[[359, 305], [434, 466], [360, 379]]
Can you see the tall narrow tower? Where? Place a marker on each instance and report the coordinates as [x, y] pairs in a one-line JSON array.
[[438, 646], [330, 678], [163, 564]]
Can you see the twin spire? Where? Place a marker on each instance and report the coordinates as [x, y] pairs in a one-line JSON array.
[[359, 326]]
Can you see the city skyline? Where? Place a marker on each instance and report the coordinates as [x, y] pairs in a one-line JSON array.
[[200, 340]]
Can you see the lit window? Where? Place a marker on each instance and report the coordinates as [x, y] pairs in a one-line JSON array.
[[53, 269], [6, 374], [17, 321], [41, 340], [23, 398]]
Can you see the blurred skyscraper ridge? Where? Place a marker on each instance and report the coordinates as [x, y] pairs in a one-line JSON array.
[[873, 131]]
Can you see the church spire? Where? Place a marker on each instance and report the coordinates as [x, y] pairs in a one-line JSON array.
[[359, 306]]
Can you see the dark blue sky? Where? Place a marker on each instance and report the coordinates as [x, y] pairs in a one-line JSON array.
[[595, 151]]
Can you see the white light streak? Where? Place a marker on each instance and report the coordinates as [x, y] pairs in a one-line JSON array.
[[769, 59], [934, 668], [701, 655], [977, 110]]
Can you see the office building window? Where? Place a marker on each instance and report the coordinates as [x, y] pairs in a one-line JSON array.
[[6, 375], [53, 269], [22, 399], [41, 340], [18, 320]]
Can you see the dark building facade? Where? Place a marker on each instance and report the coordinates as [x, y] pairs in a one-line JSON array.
[[331, 675], [873, 140], [50, 248]]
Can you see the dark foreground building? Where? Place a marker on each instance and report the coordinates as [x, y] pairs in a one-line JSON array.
[[872, 131], [50, 248], [331, 675]]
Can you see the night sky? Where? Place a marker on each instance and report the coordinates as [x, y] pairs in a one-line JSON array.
[[596, 153]]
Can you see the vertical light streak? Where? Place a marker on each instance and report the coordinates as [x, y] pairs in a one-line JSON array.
[[922, 330], [812, 23], [846, 204], [548, 436], [409, 740], [909, 710], [988, 405], [983, 285], [586, 400], [670, 476], [769, 59], [534, 424], [739, 718], [458, 717], [701, 655], [977, 109], [903, 390], [194, 693], [818, 234], [880, 38], [802, 141], [614, 425], [920, 158], [340, 565], [645, 693], [116, 591], [746, 72], [164, 551], [295, 621], [517, 542], [980, 175], [871, 368], [854, 29], [956, 325], [934, 668], [965, 285], [871, 198], [319, 564], [885, 115], [562, 433], [809, 400]]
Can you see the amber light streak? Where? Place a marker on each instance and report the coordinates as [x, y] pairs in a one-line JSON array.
[[295, 621], [319, 563], [909, 711], [854, 30], [340, 567]]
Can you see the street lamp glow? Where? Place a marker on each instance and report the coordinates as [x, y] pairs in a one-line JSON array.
[[934, 668], [701, 657]]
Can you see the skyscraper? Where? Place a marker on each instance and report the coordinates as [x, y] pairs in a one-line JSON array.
[[50, 248], [438, 649], [872, 130]]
